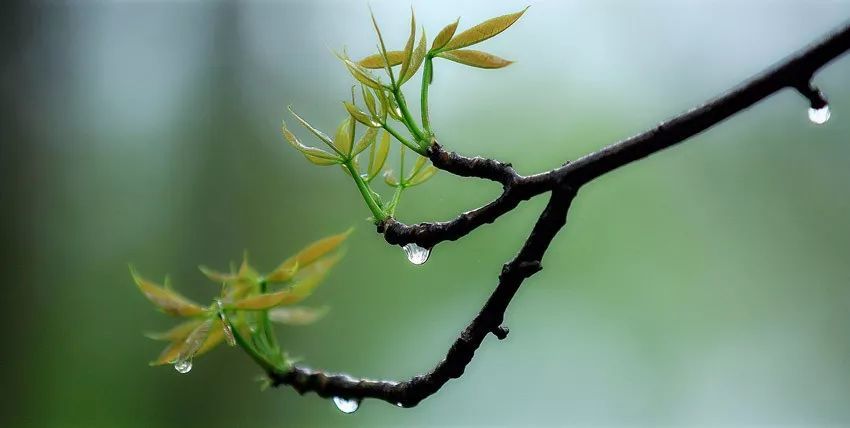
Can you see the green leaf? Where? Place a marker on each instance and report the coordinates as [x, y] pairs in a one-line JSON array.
[[483, 31], [420, 162], [369, 99], [408, 48], [319, 134], [378, 156], [313, 154], [376, 61], [342, 138], [444, 36], [475, 58], [423, 176], [382, 48], [365, 141], [178, 332], [416, 59], [360, 116], [361, 74], [390, 179], [314, 251]]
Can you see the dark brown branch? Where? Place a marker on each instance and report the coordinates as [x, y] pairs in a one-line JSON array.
[[795, 72], [409, 393]]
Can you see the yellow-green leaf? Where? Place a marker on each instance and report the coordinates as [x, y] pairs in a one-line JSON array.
[[284, 272], [321, 160], [168, 300], [259, 302], [376, 61], [178, 332], [369, 99], [475, 58], [420, 162], [342, 138], [297, 315], [309, 279], [416, 58], [314, 251], [444, 35], [483, 31], [216, 276], [180, 346], [365, 141], [319, 134], [390, 179], [360, 116], [246, 271], [378, 156], [408, 48], [361, 74], [423, 176], [313, 154]]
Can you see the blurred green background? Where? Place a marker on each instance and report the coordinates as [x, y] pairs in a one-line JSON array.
[[707, 285]]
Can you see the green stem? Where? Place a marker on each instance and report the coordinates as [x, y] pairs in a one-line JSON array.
[[427, 75], [405, 141], [377, 212], [256, 356], [396, 198], [266, 325], [407, 118]]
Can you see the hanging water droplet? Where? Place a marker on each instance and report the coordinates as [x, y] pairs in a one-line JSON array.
[[346, 405], [819, 115], [399, 404], [416, 254], [183, 366]]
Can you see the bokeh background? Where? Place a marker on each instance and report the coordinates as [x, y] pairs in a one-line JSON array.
[[707, 285]]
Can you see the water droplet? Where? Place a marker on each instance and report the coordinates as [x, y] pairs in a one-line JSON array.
[[346, 405], [183, 366], [399, 404], [819, 115], [416, 254]]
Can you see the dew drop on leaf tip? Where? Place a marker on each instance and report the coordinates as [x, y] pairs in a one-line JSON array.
[[183, 366]]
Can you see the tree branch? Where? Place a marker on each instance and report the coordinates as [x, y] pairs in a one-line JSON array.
[[563, 182], [409, 393], [794, 72]]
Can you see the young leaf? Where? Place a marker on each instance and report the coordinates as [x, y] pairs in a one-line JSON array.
[[216, 276], [376, 61], [298, 315], [420, 162], [390, 179], [361, 74], [444, 36], [195, 340], [310, 279], [483, 31], [178, 332], [382, 48], [342, 138], [416, 59], [313, 154], [260, 302], [365, 141], [314, 251], [360, 116], [378, 157], [475, 58], [166, 299], [408, 48], [283, 273], [423, 176], [369, 99], [319, 134], [246, 272]]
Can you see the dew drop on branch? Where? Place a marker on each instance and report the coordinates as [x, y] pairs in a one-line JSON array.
[[346, 405], [819, 115], [416, 254], [183, 366]]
